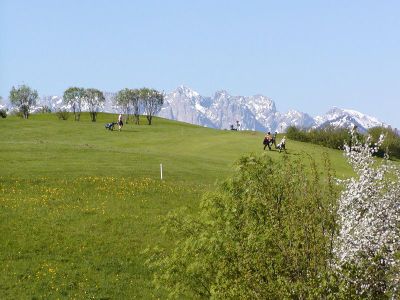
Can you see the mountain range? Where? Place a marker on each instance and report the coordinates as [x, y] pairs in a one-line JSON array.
[[258, 112], [225, 111]]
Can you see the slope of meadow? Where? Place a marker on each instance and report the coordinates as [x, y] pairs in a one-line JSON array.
[[79, 203]]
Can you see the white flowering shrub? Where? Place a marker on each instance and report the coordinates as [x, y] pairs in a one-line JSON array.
[[368, 244]]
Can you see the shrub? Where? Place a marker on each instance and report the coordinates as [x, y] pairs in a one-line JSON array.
[[368, 245], [391, 144], [63, 114], [3, 113], [267, 233], [45, 110], [296, 134]]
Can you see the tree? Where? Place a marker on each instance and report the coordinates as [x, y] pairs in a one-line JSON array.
[[152, 102], [95, 101], [23, 97], [368, 245], [74, 96], [136, 104], [122, 100], [267, 233], [129, 100]]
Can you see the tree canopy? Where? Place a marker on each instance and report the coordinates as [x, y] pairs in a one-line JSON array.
[[152, 101], [94, 99], [23, 97], [73, 96]]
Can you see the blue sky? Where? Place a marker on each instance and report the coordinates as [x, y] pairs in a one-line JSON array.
[[305, 55]]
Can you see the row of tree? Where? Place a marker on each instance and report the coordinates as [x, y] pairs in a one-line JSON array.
[[76, 97], [139, 101], [130, 101], [336, 138]]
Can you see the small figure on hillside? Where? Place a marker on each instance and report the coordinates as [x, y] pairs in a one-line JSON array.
[[282, 145], [267, 140], [274, 138], [120, 123]]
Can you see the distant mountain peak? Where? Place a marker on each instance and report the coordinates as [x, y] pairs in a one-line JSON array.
[[347, 118], [221, 94], [186, 91]]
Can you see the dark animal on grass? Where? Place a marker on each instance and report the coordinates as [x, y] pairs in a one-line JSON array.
[[110, 126]]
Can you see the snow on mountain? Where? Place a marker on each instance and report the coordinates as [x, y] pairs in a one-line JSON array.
[[347, 118], [223, 110]]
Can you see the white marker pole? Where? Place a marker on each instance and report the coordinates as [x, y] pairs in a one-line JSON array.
[[161, 170]]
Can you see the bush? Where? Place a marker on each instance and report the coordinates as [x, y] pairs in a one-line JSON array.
[[391, 144], [45, 110], [296, 134], [3, 113], [63, 114], [368, 244], [267, 231], [329, 137]]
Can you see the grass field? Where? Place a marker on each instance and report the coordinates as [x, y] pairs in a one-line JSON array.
[[79, 203]]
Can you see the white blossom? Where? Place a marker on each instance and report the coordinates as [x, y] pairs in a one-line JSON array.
[[369, 212]]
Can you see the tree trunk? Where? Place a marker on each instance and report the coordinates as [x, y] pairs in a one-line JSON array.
[[93, 115]]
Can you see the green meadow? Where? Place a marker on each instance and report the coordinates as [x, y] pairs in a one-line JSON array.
[[79, 204]]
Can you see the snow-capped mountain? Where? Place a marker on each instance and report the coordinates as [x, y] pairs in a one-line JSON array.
[[347, 118], [223, 111], [253, 113]]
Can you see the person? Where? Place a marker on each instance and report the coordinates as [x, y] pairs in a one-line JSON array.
[[274, 138], [120, 123], [267, 140]]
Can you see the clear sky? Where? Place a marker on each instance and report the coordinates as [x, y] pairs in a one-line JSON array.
[[305, 55]]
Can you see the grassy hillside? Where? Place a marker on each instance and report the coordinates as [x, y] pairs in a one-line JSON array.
[[79, 203]]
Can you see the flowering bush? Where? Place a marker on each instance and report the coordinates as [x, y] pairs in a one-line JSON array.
[[368, 243]]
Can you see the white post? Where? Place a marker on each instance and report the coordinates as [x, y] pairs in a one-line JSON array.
[[161, 170]]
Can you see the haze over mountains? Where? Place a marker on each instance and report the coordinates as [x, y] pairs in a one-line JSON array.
[[223, 110]]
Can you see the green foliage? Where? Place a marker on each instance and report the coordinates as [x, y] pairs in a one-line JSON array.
[[297, 134], [74, 97], [129, 101], [94, 100], [45, 110], [367, 280], [152, 101], [3, 113], [267, 232], [330, 137], [23, 97], [391, 144], [63, 114]]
